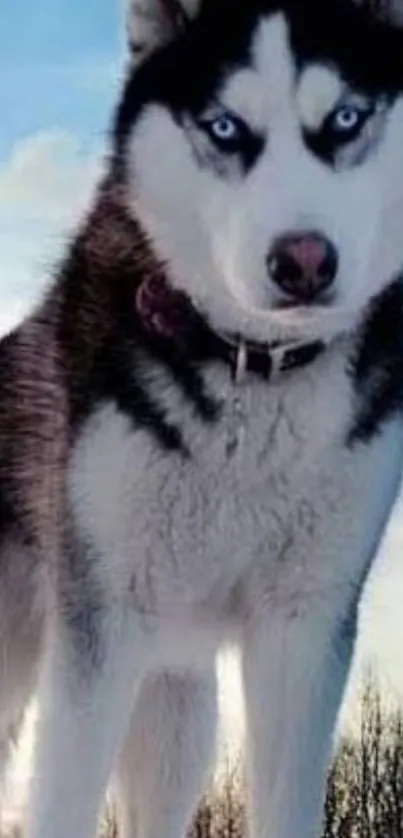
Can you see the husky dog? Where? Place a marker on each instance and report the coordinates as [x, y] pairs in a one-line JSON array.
[[201, 428]]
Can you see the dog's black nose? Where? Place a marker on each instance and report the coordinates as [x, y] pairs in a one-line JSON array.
[[303, 264]]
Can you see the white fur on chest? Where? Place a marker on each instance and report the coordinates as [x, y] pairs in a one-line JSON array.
[[263, 488]]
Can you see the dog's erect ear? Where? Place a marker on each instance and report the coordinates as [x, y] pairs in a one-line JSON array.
[[152, 23]]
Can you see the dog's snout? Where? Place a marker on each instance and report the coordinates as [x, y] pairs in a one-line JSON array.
[[303, 264]]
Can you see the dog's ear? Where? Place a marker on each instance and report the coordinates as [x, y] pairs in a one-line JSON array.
[[152, 23]]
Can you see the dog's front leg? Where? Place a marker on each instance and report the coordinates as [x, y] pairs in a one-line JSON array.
[[294, 672], [90, 677]]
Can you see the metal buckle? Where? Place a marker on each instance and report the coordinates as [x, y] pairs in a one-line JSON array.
[[282, 358], [241, 362], [277, 356]]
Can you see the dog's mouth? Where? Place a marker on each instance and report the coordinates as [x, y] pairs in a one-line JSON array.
[[284, 319], [286, 302]]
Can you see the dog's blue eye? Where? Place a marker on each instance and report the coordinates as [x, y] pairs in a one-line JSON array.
[[224, 128], [346, 119], [346, 122], [226, 131], [232, 136]]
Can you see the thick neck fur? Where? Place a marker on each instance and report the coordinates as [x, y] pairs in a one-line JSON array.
[[50, 367], [99, 334], [85, 344], [97, 287]]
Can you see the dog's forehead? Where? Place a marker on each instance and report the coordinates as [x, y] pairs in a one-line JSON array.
[[318, 90], [267, 80], [274, 80], [260, 57]]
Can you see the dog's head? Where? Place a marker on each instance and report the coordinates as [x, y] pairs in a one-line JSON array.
[[261, 146]]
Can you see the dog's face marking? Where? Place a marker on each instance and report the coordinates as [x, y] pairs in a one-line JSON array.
[[319, 90], [258, 133], [340, 124]]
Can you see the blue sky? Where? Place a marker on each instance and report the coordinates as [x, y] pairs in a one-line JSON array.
[[60, 62]]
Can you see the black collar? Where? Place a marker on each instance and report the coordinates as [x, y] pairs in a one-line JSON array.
[[267, 360], [169, 316]]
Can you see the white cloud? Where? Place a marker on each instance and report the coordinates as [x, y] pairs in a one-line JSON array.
[[47, 178], [45, 187]]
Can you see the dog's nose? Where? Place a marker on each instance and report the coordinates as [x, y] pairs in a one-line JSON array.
[[303, 264]]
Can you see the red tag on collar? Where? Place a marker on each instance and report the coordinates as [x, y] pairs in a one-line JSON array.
[[162, 309]]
